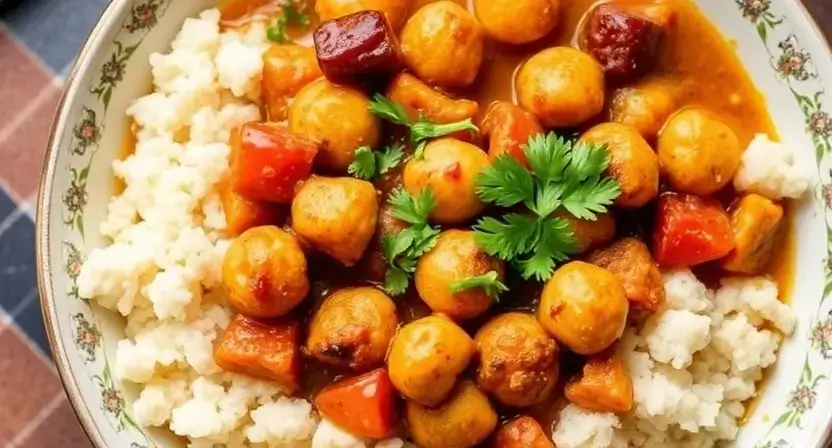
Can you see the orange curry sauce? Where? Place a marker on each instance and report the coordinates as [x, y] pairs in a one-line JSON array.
[[702, 62]]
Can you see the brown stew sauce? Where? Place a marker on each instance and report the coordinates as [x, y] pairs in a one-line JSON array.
[[693, 53]]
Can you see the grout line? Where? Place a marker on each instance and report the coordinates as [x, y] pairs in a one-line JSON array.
[[9, 191], [10, 220], [32, 54], [29, 298], [26, 112], [35, 423]]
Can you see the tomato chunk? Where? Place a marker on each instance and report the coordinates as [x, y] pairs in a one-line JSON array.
[[267, 349], [242, 213], [508, 128], [690, 231], [268, 162], [364, 406]]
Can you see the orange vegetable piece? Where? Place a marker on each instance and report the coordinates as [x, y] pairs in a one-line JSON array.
[[755, 221], [286, 70], [690, 231], [364, 405], [267, 349], [521, 432], [604, 384], [508, 129], [268, 162], [242, 214]]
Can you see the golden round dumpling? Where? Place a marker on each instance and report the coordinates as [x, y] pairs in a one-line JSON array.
[[517, 21]]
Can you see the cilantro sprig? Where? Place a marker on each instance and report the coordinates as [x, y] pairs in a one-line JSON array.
[[421, 130], [403, 249], [369, 164], [291, 15], [490, 283], [563, 175]]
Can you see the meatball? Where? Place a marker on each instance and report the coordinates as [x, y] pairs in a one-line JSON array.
[[455, 257], [286, 70], [443, 44], [426, 357], [590, 234], [450, 168], [353, 328], [632, 162], [395, 10], [464, 420], [336, 216], [629, 259], [264, 272], [518, 362], [517, 21], [584, 307], [645, 105], [339, 118], [698, 152], [562, 86]]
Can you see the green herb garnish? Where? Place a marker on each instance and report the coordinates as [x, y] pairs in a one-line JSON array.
[[421, 130], [368, 163], [403, 249], [563, 175], [489, 282], [291, 15]]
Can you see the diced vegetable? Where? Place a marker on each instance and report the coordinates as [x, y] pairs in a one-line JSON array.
[[242, 214], [268, 162], [630, 261], [604, 384], [690, 231], [364, 406], [267, 349], [508, 129], [522, 432], [421, 101], [755, 221], [286, 70], [361, 46]]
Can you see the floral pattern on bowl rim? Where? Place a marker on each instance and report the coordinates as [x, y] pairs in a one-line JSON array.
[[793, 415]]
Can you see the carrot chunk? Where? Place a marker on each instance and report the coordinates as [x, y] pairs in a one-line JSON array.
[[522, 432], [242, 214], [604, 384], [690, 231], [268, 162], [267, 349], [508, 128], [363, 405]]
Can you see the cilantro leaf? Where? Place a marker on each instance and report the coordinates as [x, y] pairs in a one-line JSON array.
[[424, 130], [587, 160], [505, 182], [548, 198], [489, 282], [389, 157], [425, 239], [389, 110], [413, 210], [586, 203], [396, 281], [392, 246], [508, 238], [548, 156], [364, 165], [291, 14], [556, 242]]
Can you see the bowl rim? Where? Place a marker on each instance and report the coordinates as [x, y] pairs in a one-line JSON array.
[[59, 126]]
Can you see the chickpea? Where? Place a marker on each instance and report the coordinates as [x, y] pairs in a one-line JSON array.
[[339, 118], [464, 420], [562, 86], [264, 272], [426, 357], [286, 70], [395, 10], [590, 234], [632, 162], [517, 21], [698, 152], [584, 307], [336, 216], [518, 362], [645, 105], [455, 257], [442, 44], [450, 168], [353, 328]]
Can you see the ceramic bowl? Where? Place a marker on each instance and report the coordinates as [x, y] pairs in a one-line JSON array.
[[779, 44]]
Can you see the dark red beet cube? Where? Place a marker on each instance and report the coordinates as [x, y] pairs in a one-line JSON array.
[[359, 47]]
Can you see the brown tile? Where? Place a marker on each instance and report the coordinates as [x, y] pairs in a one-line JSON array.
[[60, 429], [21, 78], [27, 385], [23, 149]]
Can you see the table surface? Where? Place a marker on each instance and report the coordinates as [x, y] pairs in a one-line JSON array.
[[38, 42]]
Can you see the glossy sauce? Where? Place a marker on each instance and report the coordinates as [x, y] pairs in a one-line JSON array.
[[694, 53]]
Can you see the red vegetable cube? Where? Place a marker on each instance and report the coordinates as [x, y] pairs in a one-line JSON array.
[[268, 162], [690, 231], [364, 406]]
